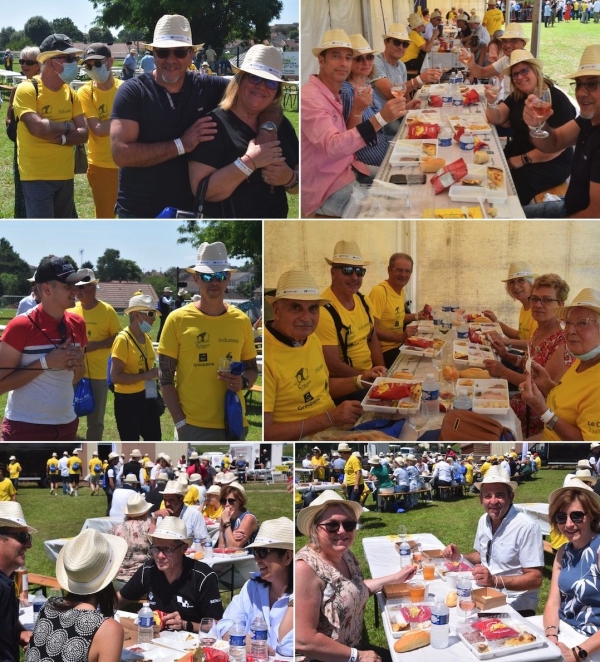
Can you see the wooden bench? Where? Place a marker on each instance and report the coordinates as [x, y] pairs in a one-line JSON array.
[[548, 548], [559, 190], [409, 504], [5, 91], [448, 492], [43, 581], [256, 388]]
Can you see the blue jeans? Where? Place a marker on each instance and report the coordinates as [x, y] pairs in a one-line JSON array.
[[49, 199], [554, 209], [336, 203]]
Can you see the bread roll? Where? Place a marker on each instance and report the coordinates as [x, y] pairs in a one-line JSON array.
[[482, 318], [450, 373], [474, 373], [481, 156], [403, 375], [198, 556], [451, 599], [432, 163], [412, 640]]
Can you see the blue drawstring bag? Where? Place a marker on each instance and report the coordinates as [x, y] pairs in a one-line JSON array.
[[83, 398], [234, 414], [391, 428]]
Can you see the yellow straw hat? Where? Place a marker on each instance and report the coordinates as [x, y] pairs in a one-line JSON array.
[[347, 252], [297, 284], [361, 45], [397, 31], [590, 62]]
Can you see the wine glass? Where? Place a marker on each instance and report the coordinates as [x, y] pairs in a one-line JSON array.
[[466, 604], [541, 106], [207, 632], [399, 89], [447, 394], [465, 55], [437, 361], [419, 420], [402, 531], [494, 86], [361, 84]]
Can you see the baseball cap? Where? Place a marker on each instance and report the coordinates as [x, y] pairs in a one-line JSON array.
[[96, 52], [60, 269]]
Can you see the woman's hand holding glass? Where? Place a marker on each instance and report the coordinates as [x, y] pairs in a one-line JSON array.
[[532, 113], [363, 98], [492, 91], [264, 154]]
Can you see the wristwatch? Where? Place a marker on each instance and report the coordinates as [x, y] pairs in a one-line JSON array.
[[268, 126], [189, 626], [550, 425], [526, 159], [580, 653], [245, 382]]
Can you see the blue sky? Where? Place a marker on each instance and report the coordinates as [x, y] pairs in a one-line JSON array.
[[83, 13]]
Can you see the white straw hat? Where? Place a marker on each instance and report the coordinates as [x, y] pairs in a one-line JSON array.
[[521, 55], [131, 479], [496, 474], [514, 31], [573, 484], [519, 269], [89, 562], [264, 61], [361, 45], [174, 487], [172, 31], [141, 302], [136, 505], [397, 31], [171, 528], [136, 453], [277, 533], [211, 258], [415, 21], [344, 448], [375, 461], [90, 278], [297, 284], [587, 298], [194, 455], [214, 489], [195, 478], [335, 38], [585, 475], [589, 64], [474, 19], [11, 516], [347, 252], [306, 517]]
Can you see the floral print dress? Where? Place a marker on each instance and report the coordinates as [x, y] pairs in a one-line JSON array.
[[135, 532], [343, 602]]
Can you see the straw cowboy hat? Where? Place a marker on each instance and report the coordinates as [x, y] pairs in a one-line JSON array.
[[474, 20], [171, 528], [521, 55], [297, 284], [397, 31], [463, 17], [214, 489], [347, 252], [131, 479], [415, 21], [306, 517], [335, 38], [141, 302], [264, 61], [211, 258], [514, 31], [12, 517], [136, 453], [356, 454], [496, 474], [172, 31], [194, 456], [112, 456], [226, 479], [276, 533], [89, 562], [162, 477], [236, 486], [574, 484], [375, 461], [55, 45], [344, 448], [590, 62], [436, 14], [587, 298], [136, 505], [88, 275], [360, 44], [585, 476], [195, 478], [174, 487], [519, 269]]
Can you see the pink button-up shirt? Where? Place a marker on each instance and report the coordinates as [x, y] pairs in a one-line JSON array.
[[327, 146]]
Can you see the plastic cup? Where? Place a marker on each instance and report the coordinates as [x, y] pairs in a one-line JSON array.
[[224, 364], [416, 590], [451, 579], [428, 571]]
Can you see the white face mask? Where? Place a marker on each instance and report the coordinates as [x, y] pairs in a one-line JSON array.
[[69, 72], [99, 74], [145, 327]]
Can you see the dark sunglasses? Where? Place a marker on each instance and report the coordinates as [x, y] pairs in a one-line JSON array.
[[333, 527], [261, 552], [221, 276], [488, 553], [94, 63], [589, 87], [23, 538], [522, 72], [163, 53], [257, 80], [348, 271], [80, 287], [229, 501], [361, 58], [576, 517], [68, 58], [398, 43], [62, 329], [29, 63]]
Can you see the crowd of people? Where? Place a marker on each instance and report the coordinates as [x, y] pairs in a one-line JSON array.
[[76, 336], [152, 138]]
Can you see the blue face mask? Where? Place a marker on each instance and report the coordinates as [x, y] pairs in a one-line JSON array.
[[592, 354], [69, 72], [145, 327], [99, 74]]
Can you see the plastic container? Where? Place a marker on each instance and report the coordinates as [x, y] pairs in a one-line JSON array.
[[463, 401], [38, 602], [440, 629], [431, 394], [467, 141], [259, 645], [145, 624], [237, 643], [457, 99], [208, 549], [462, 331], [405, 555]]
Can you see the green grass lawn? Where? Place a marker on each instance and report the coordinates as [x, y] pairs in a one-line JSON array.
[[454, 521]]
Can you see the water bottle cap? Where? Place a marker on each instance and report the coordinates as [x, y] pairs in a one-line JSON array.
[[462, 391], [146, 604], [429, 375]]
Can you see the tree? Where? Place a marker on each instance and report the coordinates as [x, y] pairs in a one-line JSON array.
[[18, 41], [87, 265], [66, 26], [6, 35], [212, 22], [12, 264], [37, 29], [100, 35], [135, 35], [243, 239], [111, 266], [11, 284]]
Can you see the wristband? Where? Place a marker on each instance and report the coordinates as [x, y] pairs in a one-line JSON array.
[[552, 635], [43, 363], [551, 627], [419, 80], [545, 418], [180, 147], [380, 119], [353, 655], [63, 139], [180, 424], [293, 181], [551, 424], [358, 382], [243, 167], [226, 525]]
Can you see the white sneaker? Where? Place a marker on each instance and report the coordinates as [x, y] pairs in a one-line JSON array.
[[366, 510]]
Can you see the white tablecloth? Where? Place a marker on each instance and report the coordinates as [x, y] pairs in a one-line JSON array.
[[539, 512], [321, 487], [101, 524]]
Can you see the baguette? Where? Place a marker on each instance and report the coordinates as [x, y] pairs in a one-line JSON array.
[[432, 163], [450, 373], [403, 375], [412, 640], [474, 373]]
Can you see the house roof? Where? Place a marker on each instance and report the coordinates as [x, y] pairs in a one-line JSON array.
[[118, 294]]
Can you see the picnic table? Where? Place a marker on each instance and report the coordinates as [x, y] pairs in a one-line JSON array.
[[318, 487]]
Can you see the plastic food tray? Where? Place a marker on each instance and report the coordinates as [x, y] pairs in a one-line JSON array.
[[417, 351], [498, 647], [467, 121], [368, 404], [394, 615], [460, 193], [475, 354], [487, 405]]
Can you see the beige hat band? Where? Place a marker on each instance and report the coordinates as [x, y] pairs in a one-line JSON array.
[[298, 290], [173, 37], [172, 534], [595, 65], [330, 44], [339, 256], [263, 67], [84, 586]]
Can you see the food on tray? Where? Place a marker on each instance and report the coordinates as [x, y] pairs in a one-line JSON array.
[[478, 127], [524, 638], [399, 627], [159, 617], [482, 647], [456, 566], [451, 599], [402, 374], [199, 555], [422, 130], [466, 382], [474, 373], [495, 178], [390, 391], [429, 149], [412, 640], [494, 628], [450, 373], [416, 613], [461, 356], [472, 181], [448, 175], [432, 163], [422, 343], [481, 157], [482, 318], [438, 343]]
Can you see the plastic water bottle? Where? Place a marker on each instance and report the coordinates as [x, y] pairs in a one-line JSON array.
[[197, 544], [404, 552], [237, 643], [145, 624], [430, 394], [445, 137], [439, 631], [462, 400], [208, 549], [464, 600], [38, 602], [459, 78], [457, 99], [259, 645], [467, 142]]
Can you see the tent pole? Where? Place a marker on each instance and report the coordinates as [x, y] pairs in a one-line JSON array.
[[535, 28], [366, 21]]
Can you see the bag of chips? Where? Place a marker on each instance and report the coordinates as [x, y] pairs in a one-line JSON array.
[[449, 175], [420, 130]]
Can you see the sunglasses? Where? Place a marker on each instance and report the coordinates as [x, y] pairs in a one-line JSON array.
[[589, 87], [229, 502], [80, 287], [94, 63], [397, 43], [362, 58], [522, 72], [29, 63], [23, 538], [348, 271], [488, 553], [165, 551], [333, 527], [221, 276], [68, 58], [62, 329], [163, 53], [257, 80], [576, 517], [149, 313], [261, 552]]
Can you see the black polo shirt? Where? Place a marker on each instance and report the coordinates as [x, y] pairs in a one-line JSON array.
[[585, 168], [195, 594], [9, 620]]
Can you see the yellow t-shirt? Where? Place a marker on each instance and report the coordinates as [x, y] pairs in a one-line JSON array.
[[14, 469], [74, 459], [388, 308], [414, 48], [40, 159], [125, 350], [7, 490], [226, 462], [320, 463], [197, 341], [493, 20], [469, 474], [538, 462], [484, 468], [353, 466], [358, 336], [52, 466], [95, 466], [527, 325], [192, 496], [296, 379], [98, 103], [212, 512], [575, 400], [101, 322]]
